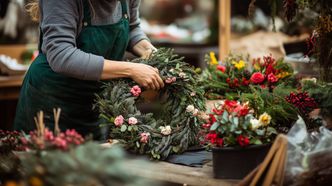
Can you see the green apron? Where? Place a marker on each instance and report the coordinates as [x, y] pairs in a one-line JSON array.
[[43, 89]]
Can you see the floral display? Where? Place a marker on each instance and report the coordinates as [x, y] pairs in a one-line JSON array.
[[233, 75], [10, 141], [233, 124], [172, 130]]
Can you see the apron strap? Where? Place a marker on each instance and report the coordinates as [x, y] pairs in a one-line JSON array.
[[87, 13], [124, 9]]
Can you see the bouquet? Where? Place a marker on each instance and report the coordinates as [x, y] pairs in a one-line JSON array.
[[232, 124]]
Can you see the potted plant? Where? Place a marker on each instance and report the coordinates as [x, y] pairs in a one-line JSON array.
[[238, 139]]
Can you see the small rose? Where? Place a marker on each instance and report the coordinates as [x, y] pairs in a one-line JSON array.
[[182, 75], [132, 121], [118, 121], [243, 140], [257, 78], [272, 78], [265, 119], [190, 108], [255, 124], [144, 137], [165, 130], [136, 90]]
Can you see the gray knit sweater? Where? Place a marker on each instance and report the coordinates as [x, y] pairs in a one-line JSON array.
[[61, 22]]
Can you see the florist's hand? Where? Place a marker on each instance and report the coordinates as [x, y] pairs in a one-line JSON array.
[[144, 49], [147, 76]]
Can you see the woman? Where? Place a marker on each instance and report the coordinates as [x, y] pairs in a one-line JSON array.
[[81, 42]]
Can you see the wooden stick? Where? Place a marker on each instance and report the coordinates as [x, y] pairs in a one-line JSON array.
[[56, 113], [224, 27]]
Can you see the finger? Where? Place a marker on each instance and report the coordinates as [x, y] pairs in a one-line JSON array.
[[156, 70], [152, 85], [156, 83], [160, 82]]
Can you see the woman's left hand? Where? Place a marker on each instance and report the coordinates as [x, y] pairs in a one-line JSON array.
[[143, 48]]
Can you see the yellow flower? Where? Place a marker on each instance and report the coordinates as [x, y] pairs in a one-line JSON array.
[[283, 75], [239, 65], [257, 66], [213, 59], [265, 119]]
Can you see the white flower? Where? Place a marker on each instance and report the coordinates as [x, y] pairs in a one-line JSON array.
[[193, 94], [165, 130], [182, 75], [190, 108], [132, 121], [255, 124], [265, 119], [172, 70], [195, 112]]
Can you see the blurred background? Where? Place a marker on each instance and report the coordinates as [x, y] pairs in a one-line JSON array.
[[191, 27]]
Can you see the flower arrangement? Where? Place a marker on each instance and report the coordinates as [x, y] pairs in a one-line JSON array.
[[233, 76], [171, 131], [233, 124], [88, 164], [10, 141], [44, 139]]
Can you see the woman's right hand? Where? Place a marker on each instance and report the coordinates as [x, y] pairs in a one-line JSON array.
[[146, 76]]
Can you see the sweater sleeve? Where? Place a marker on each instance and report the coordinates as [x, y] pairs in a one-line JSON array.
[[136, 33], [59, 25]]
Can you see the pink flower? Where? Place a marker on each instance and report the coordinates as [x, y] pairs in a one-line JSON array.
[[144, 137], [272, 78], [60, 143], [118, 121], [136, 90], [132, 121], [257, 78], [170, 80]]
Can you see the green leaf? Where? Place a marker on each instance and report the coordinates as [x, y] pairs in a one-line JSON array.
[[123, 128], [260, 132], [176, 149], [238, 132], [214, 126], [130, 128], [236, 121], [257, 142], [225, 117]]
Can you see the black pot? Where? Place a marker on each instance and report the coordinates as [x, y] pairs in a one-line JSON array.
[[236, 163]]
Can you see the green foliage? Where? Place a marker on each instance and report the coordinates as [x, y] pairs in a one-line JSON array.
[[322, 93], [283, 113], [116, 100], [85, 165]]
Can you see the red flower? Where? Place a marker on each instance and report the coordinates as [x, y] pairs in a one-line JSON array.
[[218, 112], [230, 103], [212, 137], [257, 78], [272, 78], [245, 82], [243, 141], [263, 86], [228, 80], [212, 118], [241, 110], [206, 126], [270, 69], [220, 142], [221, 68]]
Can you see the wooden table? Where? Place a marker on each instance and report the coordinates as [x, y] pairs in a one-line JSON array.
[[10, 87], [179, 174], [165, 172], [9, 92]]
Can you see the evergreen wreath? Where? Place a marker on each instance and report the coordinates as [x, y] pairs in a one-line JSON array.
[[171, 131]]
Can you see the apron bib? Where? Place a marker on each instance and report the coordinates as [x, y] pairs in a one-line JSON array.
[[43, 89]]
